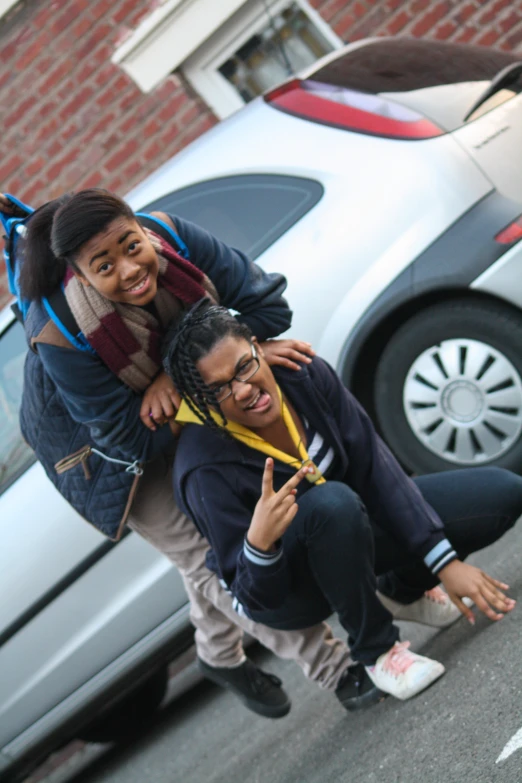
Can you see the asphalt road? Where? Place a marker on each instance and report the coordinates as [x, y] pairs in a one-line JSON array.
[[455, 732]]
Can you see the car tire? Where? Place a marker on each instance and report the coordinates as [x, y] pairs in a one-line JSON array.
[[130, 715], [459, 362]]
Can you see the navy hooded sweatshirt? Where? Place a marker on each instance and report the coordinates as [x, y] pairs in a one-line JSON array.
[[217, 482]]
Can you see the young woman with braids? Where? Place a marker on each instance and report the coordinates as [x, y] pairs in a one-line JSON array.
[[304, 532], [95, 392]]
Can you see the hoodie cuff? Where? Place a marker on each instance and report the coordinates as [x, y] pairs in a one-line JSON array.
[[260, 558], [439, 556]]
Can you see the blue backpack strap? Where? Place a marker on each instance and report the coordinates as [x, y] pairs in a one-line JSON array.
[[56, 305], [14, 228], [165, 231], [58, 310], [20, 204]]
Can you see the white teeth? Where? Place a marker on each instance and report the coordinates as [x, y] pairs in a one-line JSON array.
[[253, 403], [137, 287]]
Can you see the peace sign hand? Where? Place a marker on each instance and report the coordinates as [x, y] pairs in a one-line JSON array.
[[274, 511]]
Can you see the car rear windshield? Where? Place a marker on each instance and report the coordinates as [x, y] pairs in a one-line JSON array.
[[442, 81]]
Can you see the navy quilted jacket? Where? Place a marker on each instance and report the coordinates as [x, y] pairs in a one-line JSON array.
[[53, 434], [72, 401]]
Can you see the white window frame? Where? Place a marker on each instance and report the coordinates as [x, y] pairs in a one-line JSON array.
[[163, 41], [6, 5], [201, 68]]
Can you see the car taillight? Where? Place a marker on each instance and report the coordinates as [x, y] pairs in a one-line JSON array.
[[351, 110], [511, 233]]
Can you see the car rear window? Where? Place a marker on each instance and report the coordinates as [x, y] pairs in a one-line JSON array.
[[442, 81], [248, 212], [15, 454]]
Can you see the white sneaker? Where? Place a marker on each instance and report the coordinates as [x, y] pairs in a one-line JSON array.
[[402, 673], [435, 608]]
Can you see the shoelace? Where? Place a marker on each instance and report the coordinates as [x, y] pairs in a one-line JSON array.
[[437, 595], [399, 659], [262, 681]]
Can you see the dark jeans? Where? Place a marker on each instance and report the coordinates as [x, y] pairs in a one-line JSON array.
[[338, 557]]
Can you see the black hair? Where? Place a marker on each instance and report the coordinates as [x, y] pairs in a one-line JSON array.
[[188, 341], [57, 231]]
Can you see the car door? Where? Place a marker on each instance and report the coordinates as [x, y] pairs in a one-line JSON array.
[[72, 602]]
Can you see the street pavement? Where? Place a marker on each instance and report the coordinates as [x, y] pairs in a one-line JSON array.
[[462, 730]]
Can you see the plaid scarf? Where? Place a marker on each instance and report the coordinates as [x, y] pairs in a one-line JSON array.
[[128, 338]]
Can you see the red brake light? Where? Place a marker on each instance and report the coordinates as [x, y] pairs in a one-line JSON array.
[[351, 110], [511, 233]]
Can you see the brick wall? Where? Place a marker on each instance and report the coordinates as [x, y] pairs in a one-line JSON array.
[[72, 119], [484, 22], [69, 116]]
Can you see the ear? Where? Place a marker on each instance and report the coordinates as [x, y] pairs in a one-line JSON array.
[[83, 280], [259, 350]]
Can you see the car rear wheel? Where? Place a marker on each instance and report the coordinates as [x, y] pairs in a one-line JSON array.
[[448, 388], [131, 714]]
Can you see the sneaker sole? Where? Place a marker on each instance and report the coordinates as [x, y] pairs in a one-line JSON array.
[[368, 699], [440, 626], [423, 689], [265, 710], [398, 616]]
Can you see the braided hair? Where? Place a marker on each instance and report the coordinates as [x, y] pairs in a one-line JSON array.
[[188, 341]]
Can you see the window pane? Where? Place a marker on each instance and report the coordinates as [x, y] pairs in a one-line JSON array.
[[440, 80], [286, 45], [15, 455], [247, 212]]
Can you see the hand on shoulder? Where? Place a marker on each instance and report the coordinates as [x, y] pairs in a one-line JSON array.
[[286, 353]]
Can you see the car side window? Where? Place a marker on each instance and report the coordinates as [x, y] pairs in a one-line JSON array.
[[15, 454], [248, 212]]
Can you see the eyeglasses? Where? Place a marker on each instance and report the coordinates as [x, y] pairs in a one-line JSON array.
[[245, 372]]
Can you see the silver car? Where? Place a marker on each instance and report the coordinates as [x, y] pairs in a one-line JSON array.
[[386, 184]]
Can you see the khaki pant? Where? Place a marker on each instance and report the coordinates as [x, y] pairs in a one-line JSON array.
[[219, 630]]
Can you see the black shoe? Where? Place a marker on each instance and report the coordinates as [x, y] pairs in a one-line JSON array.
[[356, 690], [260, 691]]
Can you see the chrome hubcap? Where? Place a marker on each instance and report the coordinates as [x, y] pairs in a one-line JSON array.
[[463, 401]]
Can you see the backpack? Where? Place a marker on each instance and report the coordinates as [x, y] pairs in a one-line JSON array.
[[14, 228]]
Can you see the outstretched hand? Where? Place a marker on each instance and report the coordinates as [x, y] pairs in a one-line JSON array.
[[274, 511], [461, 579], [287, 352]]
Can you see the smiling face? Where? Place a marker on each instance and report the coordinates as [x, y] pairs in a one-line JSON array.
[[120, 263], [254, 404]]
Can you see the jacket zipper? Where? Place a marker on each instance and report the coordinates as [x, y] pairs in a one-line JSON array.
[[81, 456]]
